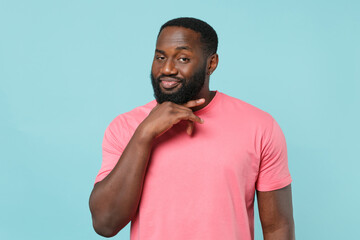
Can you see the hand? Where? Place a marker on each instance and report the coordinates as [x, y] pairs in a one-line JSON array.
[[167, 114]]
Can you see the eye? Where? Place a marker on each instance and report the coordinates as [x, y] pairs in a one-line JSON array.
[[184, 60], [160, 58]]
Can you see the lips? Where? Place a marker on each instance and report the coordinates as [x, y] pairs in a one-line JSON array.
[[169, 83]]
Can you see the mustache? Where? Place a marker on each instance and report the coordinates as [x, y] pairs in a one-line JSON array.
[[167, 77]]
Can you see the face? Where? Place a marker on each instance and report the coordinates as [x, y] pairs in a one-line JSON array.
[[179, 67]]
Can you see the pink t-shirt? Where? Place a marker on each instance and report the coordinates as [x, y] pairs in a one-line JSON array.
[[203, 186]]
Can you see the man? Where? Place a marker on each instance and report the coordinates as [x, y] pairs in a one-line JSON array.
[[186, 166]]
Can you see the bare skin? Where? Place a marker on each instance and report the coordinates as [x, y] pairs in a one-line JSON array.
[[276, 214], [114, 201]]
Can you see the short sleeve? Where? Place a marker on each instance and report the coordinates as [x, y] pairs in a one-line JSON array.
[[274, 171], [114, 142]]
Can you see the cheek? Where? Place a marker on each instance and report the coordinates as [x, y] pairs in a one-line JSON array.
[[185, 70], [155, 69]]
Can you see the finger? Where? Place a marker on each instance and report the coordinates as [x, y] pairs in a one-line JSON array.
[[194, 103], [190, 128], [189, 115]]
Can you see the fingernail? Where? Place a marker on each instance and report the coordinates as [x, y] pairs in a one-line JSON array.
[[200, 100]]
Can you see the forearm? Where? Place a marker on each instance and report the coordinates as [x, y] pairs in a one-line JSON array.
[[284, 232], [114, 200]]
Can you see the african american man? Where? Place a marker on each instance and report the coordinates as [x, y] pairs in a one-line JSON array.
[[187, 165]]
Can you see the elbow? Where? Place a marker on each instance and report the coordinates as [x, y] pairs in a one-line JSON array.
[[107, 221], [108, 227], [104, 230]]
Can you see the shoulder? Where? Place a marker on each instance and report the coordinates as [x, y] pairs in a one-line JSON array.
[[244, 111]]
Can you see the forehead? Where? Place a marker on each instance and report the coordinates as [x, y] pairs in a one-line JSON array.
[[173, 37]]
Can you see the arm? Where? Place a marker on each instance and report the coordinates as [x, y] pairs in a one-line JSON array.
[[114, 201], [276, 214]]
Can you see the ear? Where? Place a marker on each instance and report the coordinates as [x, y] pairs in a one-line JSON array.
[[213, 61]]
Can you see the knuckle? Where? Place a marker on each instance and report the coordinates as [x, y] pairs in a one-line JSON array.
[[169, 105]]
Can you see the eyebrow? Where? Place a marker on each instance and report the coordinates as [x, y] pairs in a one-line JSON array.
[[160, 51], [177, 48]]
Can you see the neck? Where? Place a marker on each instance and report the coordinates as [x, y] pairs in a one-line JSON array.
[[208, 95]]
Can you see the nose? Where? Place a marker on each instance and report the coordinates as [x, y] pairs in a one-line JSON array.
[[169, 68]]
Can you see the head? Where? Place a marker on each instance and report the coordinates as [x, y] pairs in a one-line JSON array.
[[185, 57]]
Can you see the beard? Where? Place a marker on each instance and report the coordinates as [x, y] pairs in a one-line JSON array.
[[190, 88]]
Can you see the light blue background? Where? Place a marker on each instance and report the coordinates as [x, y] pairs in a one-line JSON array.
[[67, 68]]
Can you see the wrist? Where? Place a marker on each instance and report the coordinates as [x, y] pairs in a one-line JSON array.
[[144, 134]]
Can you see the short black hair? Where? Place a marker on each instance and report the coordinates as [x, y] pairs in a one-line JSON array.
[[209, 37]]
